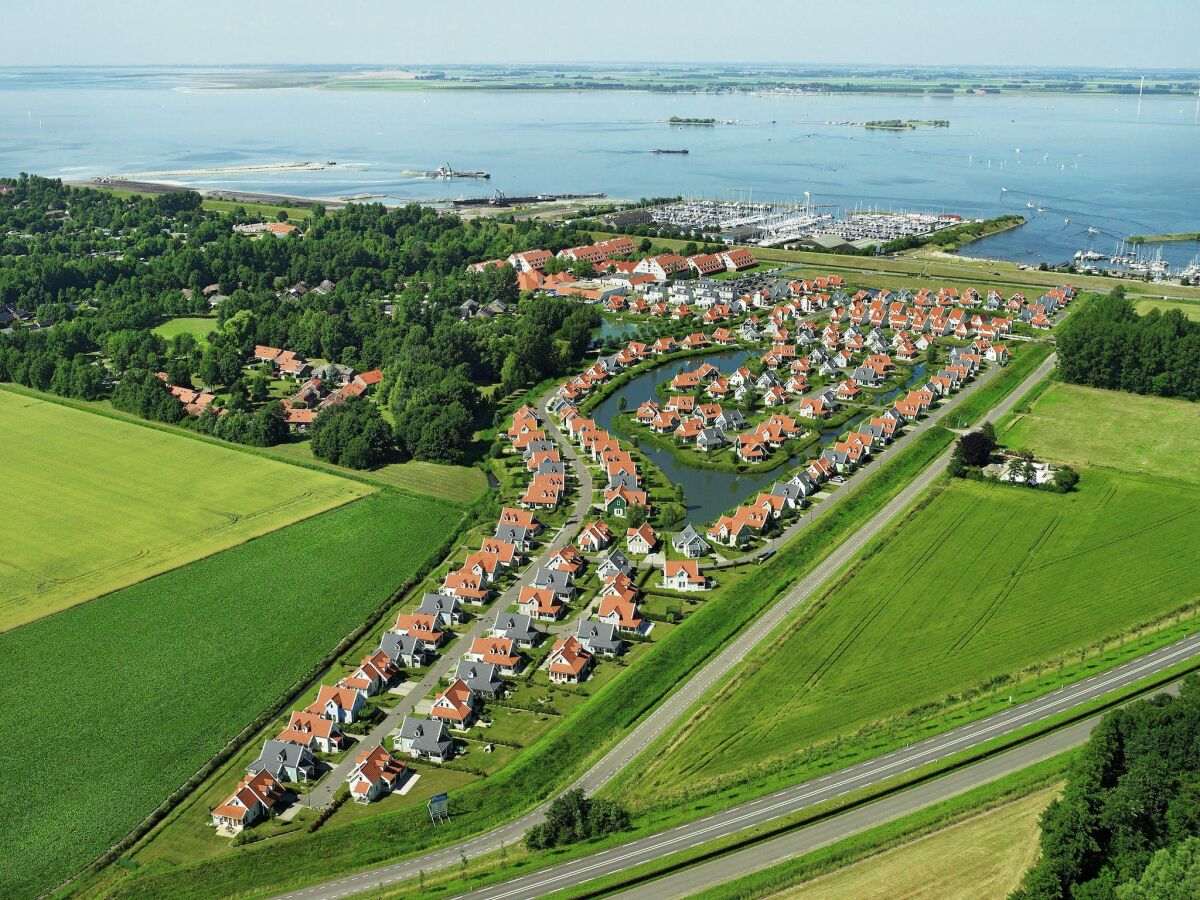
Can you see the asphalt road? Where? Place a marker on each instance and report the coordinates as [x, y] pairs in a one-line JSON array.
[[836, 784], [678, 703]]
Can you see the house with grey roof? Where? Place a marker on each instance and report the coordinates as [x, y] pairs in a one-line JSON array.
[[731, 420], [405, 650], [556, 581], [445, 609], [424, 739], [482, 678], [710, 439], [615, 563], [689, 543], [517, 535], [517, 626], [285, 761], [792, 494], [600, 638]]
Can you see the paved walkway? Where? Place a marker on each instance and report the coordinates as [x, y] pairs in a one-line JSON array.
[[678, 703], [322, 793]]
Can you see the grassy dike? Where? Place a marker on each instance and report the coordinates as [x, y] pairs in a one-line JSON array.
[[588, 731]]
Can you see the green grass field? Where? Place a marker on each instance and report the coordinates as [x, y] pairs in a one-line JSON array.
[[124, 698], [199, 326], [982, 857], [1090, 426], [93, 504], [458, 484], [982, 582], [1190, 309]]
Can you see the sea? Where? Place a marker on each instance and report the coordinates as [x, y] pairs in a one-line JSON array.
[[1086, 170]]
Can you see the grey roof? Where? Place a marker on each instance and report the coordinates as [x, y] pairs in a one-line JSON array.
[[688, 536], [866, 374], [599, 637], [480, 677], [398, 647], [550, 467], [512, 534], [439, 605], [787, 490], [278, 755], [731, 419], [536, 447], [618, 560], [559, 582], [713, 437], [622, 479], [426, 735], [517, 626]]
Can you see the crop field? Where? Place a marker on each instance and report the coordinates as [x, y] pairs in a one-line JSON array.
[[983, 857], [93, 504], [1090, 426], [982, 581], [124, 698], [197, 326]]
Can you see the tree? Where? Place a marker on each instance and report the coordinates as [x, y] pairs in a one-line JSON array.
[[1173, 874], [1065, 479], [281, 216], [572, 817], [975, 448], [351, 434]]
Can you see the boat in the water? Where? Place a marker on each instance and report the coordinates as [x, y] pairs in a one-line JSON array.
[[446, 171], [683, 151]]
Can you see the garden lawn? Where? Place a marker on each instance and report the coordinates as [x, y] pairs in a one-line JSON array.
[[93, 504], [982, 581], [196, 326], [115, 703], [983, 857], [1091, 426]]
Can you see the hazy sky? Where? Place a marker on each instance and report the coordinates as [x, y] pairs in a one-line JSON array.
[[1151, 33]]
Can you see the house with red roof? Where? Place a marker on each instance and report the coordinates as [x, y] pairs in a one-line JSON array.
[[683, 575], [456, 706], [254, 799], [568, 662], [339, 704], [376, 774]]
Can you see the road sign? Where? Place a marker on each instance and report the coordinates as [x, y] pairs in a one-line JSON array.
[[439, 808]]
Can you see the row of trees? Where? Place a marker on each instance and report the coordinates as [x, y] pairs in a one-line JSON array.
[[1107, 344], [1126, 823]]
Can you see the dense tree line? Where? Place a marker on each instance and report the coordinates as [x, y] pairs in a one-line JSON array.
[[352, 434], [1107, 344], [102, 271], [1127, 821], [572, 817]]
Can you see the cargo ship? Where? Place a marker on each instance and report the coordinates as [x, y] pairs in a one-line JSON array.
[[659, 150]]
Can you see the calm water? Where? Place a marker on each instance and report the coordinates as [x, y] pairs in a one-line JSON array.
[[1094, 160], [709, 493]]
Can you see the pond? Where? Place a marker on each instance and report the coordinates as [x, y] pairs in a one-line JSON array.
[[709, 492]]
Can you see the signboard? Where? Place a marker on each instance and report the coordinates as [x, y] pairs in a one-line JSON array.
[[439, 808]]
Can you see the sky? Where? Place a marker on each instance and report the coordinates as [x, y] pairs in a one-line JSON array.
[[1150, 33]]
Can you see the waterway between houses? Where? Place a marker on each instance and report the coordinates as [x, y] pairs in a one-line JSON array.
[[710, 492]]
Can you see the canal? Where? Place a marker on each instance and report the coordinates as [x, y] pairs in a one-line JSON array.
[[711, 492]]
